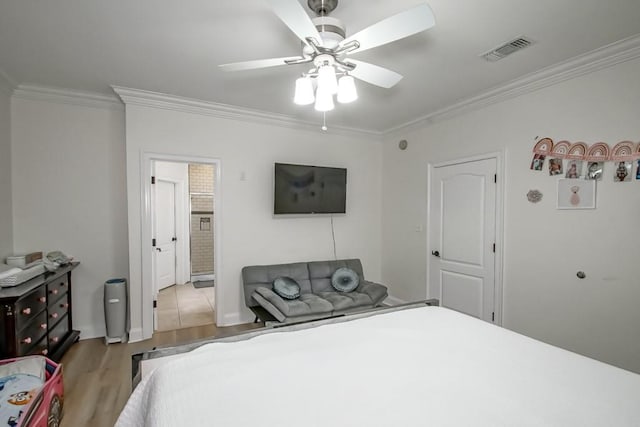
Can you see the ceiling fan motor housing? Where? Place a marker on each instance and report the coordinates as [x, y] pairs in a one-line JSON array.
[[322, 7], [331, 30]]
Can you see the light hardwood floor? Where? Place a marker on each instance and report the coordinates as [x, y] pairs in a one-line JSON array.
[[97, 378]]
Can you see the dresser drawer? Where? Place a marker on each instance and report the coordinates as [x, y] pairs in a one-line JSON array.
[[33, 332], [57, 287], [58, 333], [40, 348], [30, 306], [58, 309]]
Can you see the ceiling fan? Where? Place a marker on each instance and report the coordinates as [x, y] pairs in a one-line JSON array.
[[326, 47]]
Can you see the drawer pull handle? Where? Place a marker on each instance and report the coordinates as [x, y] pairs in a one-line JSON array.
[[45, 352], [42, 299], [43, 326], [65, 305], [27, 340], [55, 339], [54, 315], [62, 284], [26, 311], [54, 291]]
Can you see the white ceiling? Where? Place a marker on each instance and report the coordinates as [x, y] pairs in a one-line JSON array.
[[174, 47]]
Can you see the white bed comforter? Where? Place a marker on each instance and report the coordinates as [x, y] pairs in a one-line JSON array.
[[418, 367]]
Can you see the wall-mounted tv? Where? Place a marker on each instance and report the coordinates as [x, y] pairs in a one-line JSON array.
[[300, 189]]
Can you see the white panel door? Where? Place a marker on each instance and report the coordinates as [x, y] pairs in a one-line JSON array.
[[165, 233], [462, 227]]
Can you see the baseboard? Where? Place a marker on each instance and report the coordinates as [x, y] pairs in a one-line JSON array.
[[89, 332], [231, 319], [201, 277], [391, 300], [135, 335]]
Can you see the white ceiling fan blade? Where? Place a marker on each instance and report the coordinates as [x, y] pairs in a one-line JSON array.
[[258, 63], [396, 27], [374, 74], [295, 17]]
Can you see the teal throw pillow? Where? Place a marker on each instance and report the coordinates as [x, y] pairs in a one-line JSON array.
[[345, 280], [286, 287]]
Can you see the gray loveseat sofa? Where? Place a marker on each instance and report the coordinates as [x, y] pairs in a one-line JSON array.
[[317, 299]]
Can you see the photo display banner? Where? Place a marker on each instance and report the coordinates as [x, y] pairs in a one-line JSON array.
[[579, 160]]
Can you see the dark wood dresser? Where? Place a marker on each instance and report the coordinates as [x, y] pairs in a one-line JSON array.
[[35, 317]]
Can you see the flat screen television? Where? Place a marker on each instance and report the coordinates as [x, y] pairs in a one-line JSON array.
[[301, 189]]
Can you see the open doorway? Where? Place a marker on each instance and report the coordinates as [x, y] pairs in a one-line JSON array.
[[202, 238], [183, 229]]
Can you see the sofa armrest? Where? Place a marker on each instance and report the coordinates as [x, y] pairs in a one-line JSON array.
[[271, 302], [376, 291]]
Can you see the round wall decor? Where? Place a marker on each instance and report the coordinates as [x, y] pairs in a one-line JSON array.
[[534, 196]]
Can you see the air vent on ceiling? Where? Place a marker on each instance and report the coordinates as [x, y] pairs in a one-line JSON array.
[[507, 49]]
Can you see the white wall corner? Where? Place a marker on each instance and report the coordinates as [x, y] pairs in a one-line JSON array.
[[7, 84], [391, 300], [196, 106], [237, 318], [67, 96], [604, 57]]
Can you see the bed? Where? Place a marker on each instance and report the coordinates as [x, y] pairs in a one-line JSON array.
[[417, 365]]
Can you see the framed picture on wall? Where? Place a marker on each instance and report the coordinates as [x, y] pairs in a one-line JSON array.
[[576, 194]]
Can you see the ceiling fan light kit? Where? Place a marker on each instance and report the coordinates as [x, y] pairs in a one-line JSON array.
[[347, 89], [327, 80], [304, 91], [324, 101], [325, 45]]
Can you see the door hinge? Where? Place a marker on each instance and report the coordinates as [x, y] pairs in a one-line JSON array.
[[155, 303], [494, 248], [153, 179], [495, 178], [153, 242], [493, 315]]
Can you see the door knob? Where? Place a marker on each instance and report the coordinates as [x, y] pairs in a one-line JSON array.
[[159, 249], [173, 239], [435, 253]]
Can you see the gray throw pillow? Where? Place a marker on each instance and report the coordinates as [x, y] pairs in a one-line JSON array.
[[345, 280], [286, 287]]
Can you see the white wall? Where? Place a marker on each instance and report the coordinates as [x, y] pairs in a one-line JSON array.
[[250, 234], [69, 193], [544, 247], [6, 223]]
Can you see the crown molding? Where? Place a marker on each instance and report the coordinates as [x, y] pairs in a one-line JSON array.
[[7, 84], [67, 96], [604, 57], [195, 106], [595, 60]]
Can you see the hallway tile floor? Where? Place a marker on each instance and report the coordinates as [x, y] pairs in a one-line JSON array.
[[183, 306]]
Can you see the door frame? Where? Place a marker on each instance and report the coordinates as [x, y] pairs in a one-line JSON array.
[[147, 159], [500, 185]]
